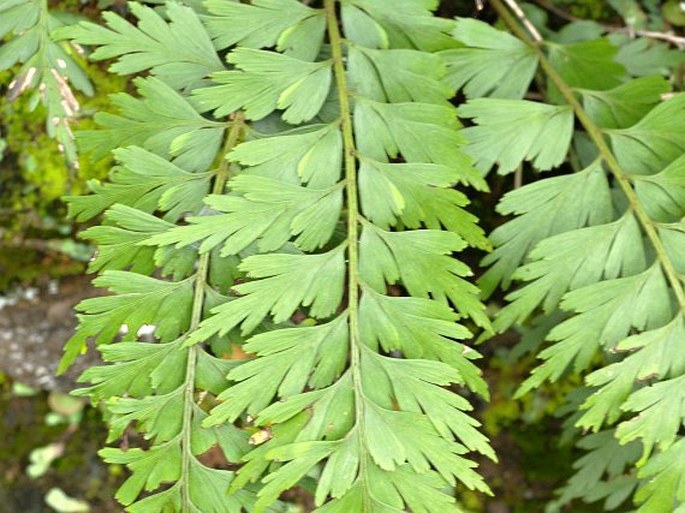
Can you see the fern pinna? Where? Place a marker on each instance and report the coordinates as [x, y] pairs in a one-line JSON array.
[[48, 69], [322, 232], [600, 250]]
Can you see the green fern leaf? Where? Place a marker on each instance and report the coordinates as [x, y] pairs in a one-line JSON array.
[[626, 104], [655, 141], [147, 182], [673, 236], [602, 473], [158, 388], [288, 281], [662, 410], [119, 245], [384, 258], [427, 328], [155, 45], [560, 264], [270, 212], [163, 464], [360, 391], [616, 382], [134, 368], [409, 24], [418, 79], [150, 468], [267, 81], [545, 208], [161, 121], [577, 64], [617, 278], [386, 130], [511, 131], [141, 300], [293, 28], [311, 155], [282, 370], [663, 491], [492, 63], [342, 400], [663, 194], [412, 380], [602, 321], [642, 56], [416, 194]]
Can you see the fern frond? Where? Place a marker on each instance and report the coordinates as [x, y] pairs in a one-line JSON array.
[[323, 221], [270, 212], [159, 387], [329, 393], [655, 141], [311, 155], [140, 300], [604, 473], [543, 209], [618, 276], [387, 130], [155, 386], [408, 24], [119, 246], [47, 68]]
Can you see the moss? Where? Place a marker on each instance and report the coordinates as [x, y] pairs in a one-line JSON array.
[[34, 176]]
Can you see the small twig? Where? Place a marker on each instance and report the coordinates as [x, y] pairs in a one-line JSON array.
[[670, 37], [524, 19], [518, 177]]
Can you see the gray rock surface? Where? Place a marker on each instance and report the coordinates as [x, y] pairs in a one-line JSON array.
[[34, 325]]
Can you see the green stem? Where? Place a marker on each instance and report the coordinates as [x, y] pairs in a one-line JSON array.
[[605, 152], [222, 175], [350, 152]]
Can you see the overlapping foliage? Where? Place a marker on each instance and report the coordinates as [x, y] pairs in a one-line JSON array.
[[321, 232], [283, 217], [602, 245]]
